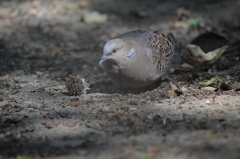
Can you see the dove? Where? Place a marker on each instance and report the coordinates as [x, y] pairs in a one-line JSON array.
[[137, 58]]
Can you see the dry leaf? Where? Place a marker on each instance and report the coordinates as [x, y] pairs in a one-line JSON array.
[[208, 88], [193, 56], [218, 82]]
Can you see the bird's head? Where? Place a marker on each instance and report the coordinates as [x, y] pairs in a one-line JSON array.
[[115, 50]]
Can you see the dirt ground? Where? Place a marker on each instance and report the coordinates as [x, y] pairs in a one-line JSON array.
[[44, 41]]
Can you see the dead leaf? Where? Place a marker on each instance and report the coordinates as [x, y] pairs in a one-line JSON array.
[[208, 88], [218, 82], [213, 81], [207, 135], [195, 57], [95, 17]]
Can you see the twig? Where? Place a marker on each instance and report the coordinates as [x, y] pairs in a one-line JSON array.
[[101, 129]]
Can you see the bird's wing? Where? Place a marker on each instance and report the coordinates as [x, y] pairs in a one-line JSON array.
[[162, 47], [131, 35]]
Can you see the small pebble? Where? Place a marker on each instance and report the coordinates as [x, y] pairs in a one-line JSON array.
[[107, 108], [133, 108], [1, 91], [1, 98]]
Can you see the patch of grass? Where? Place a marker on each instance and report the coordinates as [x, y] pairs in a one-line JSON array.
[[21, 157], [238, 112], [41, 63], [11, 87], [195, 21], [27, 65], [144, 156], [236, 58]]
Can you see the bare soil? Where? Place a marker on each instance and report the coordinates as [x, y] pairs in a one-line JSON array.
[[43, 42]]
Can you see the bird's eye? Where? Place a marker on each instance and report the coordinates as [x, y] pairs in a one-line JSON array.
[[114, 50]]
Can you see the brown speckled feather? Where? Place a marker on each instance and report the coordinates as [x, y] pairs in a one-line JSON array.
[[162, 47]]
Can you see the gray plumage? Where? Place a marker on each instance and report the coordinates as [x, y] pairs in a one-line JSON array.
[[137, 58]]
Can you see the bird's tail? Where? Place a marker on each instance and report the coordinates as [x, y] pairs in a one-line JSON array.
[[172, 40]]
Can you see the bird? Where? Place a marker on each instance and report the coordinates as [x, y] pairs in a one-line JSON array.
[[137, 58]]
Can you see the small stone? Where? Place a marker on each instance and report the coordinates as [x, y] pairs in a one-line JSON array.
[[133, 108], [84, 3], [83, 152], [1, 91], [209, 88], [1, 98], [208, 102], [192, 98], [39, 73], [107, 108]]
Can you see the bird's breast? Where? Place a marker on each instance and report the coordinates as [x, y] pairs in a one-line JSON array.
[[135, 72], [113, 70]]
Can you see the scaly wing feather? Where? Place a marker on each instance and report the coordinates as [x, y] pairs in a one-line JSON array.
[[162, 47]]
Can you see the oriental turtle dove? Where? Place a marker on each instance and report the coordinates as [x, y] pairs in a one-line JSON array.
[[137, 58]]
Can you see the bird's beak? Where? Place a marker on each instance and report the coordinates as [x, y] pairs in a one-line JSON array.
[[104, 58]]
